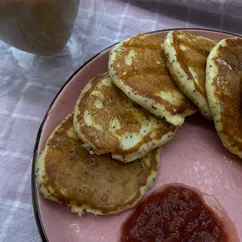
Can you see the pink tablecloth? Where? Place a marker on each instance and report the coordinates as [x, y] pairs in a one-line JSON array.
[[28, 84]]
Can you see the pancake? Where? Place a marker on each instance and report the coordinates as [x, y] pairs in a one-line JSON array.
[[137, 66], [224, 92], [68, 174], [186, 60], [107, 121]]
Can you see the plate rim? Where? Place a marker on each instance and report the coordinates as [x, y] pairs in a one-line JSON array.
[[35, 202]]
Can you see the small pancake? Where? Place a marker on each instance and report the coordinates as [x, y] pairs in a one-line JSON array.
[[137, 66], [224, 92], [68, 174], [186, 60], [107, 121]]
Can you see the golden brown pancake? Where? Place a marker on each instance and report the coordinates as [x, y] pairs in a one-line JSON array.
[[68, 174], [224, 92], [186, 60], [137, 66], [107, 121]]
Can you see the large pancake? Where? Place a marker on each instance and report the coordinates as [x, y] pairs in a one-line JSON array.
[[137, 66], [107, 121], [186, 59], [68, 174], [224, 91]]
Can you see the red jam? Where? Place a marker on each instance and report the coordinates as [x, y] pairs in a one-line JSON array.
[[175, 214]]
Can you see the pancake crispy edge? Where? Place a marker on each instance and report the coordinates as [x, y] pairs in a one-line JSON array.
[[224, 92], [68, 174], [137, 66], [107, 121], [186, 60]]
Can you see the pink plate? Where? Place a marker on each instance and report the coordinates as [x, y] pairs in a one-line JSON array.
[[195, 157]]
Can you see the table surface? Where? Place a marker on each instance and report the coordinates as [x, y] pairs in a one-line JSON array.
[[29, 83]]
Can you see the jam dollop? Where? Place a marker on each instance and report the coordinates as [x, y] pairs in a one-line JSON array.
[[177, 214]]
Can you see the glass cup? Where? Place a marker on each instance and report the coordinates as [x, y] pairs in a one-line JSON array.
[[38, 26], [49, 37]]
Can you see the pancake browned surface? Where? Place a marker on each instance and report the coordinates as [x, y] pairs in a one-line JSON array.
[[68, 174], [224, 91], [107, 121], [137, 66], [186, 59]]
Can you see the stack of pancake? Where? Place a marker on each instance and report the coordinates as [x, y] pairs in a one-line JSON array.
[[104, 156]]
